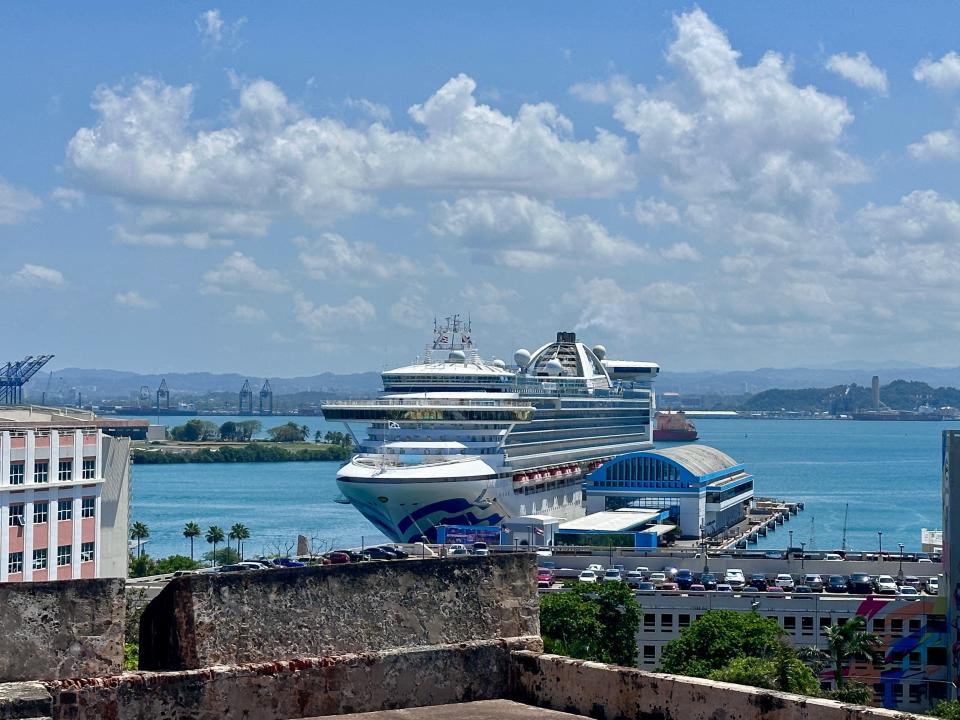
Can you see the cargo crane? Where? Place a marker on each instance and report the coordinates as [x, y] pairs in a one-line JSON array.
[[14, 375], [246, 399], [266, 394], [163, 396]]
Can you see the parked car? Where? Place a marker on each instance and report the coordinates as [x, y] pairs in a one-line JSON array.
[[544, 578], [909, 591], [353, 555], [860, 584], [587, 576], [287, 562], [724, 587], [813, 581], [400, 552], [634, 578], [758, 581], [802, 590], [833, 557], [646, 587], [697, 587], [670, 587], [612, 575], [932, 586], [480, 548], [886, 585], [645, 571], [784, 582], [750, 589], [911, 580], [658, 578], [708, 580], [251, 564], [457, 549], [233, 568], [734, 578], [683, 578], [836, 584], [379, 553], [338, 557], [596, 567]]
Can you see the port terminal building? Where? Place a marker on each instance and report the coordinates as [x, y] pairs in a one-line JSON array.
[[688, 491]]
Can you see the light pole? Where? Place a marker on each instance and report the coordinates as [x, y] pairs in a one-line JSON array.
[[900, 573], [802, 546], [880, 545], [790, 533]]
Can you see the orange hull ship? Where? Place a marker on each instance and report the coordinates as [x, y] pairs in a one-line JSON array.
[[674, 427]]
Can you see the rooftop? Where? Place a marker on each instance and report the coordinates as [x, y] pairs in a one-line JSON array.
[[622, 520], [698, 459], [478, 710]]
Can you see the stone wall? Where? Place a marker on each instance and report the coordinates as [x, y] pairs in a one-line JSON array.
[[297, 688], [54, 630], [608, 692], [208, 619]]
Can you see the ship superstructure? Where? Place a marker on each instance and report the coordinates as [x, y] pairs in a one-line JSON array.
[[456, 440]]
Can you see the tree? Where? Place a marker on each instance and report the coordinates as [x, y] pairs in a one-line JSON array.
[[290, 432], [239, 532], [783, 671], [340, 439], [716, 638], [225, 555], [845, 642], [592, 622], [191, 530], [139, 532], [318, 436], [195, 430], [214, 536], [247, 429], [948, 709], [229, 430]]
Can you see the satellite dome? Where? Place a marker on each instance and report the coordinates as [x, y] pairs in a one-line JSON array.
[[600, 351], [522, 357], [498, 363], [457, 356], [554, 366]]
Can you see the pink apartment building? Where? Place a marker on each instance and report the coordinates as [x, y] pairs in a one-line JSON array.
[[64, 495]]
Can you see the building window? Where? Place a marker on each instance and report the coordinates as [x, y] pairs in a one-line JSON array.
[[915, 625], [936, 656], [790, 623], [65, 470], [41, 471], [649, 654], [916, 693], [649, 621], [40, 559], [40, 512], [15, 563], [806, 625], [89, 469], [683, 621], [666, 622], [63, 555], [914, 660], [16, 473], [16, 515], [88, 507], [64, 509], [86, 552], [879, 626], [896, 626], [824, 624]]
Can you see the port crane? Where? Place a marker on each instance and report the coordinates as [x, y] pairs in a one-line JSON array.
[[14, 375]]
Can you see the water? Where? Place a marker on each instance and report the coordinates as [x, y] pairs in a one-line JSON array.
[[889, 472]]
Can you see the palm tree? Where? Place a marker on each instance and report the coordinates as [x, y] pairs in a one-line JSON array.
[[846, 642], [239, 532], [214, 535], [139, 532], [190, 531]]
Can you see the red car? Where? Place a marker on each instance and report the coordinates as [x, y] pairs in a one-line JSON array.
[[544, 578], [338, 558]]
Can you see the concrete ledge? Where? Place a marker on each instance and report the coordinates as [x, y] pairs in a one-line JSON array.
[[204, 620], [607, 691], [24, 700], [359, 682], [53, 630]]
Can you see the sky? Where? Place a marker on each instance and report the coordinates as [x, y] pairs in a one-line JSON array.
[[294, 188]]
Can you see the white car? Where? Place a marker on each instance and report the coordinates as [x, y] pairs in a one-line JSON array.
[[457, 549], [886, 585], [587, 576], [784, 581], [612, 575], [734, 578], [597, 568], [933, 586], [658, 578], [908, 591], [643, 570], [833, 557]]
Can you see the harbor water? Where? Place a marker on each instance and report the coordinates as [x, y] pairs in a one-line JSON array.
[[888, 472]]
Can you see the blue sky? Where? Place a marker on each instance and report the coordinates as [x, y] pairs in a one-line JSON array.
[[298, 188]]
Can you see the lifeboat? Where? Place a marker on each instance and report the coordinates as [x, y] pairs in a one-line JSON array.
[[557, 472]]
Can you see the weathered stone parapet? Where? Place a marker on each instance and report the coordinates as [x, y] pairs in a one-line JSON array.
[[305, 687], [211, 619], [54, 630], [25, 701], [608, 691]]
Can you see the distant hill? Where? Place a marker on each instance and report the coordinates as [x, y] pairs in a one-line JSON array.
[[897, 395]]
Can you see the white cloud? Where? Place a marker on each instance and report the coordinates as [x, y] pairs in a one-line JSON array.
[[39, 276], [240, 273], [942, 74], [320, 320], [519, 231], [333, 255], [859, 70], [494, 305], [651, 211], [938, 145], [68, 198], [215, 32], [271, 158], [133, 299], [248, 314], [409, 311], [923, 216], [15, 203], [375, 111], [681, 251]]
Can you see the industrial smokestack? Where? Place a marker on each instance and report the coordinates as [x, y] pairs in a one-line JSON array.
[[875, 384]]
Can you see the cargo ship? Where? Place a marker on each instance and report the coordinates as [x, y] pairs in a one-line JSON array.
[[674, 427]]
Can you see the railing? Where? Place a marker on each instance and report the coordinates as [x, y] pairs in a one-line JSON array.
[[429, 402], [376, 460]]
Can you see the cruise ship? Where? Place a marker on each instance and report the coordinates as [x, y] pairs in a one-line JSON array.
[[457, 440]]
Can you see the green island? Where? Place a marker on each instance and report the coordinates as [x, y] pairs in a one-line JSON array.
[[200, 441]]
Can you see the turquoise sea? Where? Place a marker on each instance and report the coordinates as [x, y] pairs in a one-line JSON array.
[[888, 472]]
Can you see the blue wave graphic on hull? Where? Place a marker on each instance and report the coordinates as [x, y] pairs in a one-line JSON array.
[[456, 511]]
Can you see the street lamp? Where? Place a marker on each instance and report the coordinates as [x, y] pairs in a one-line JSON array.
[[790, 532], [802, 546], [900, 573], [880, 545]]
